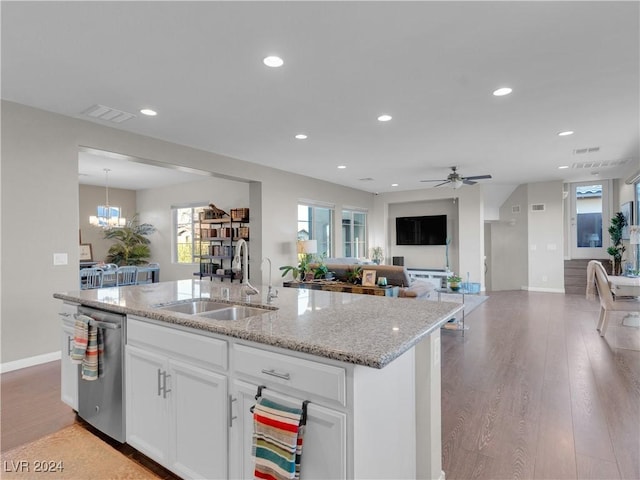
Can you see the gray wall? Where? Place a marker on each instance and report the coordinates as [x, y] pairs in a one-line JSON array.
[[39, 201]]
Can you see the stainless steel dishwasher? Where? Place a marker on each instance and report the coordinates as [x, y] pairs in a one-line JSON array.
[[101, 401]]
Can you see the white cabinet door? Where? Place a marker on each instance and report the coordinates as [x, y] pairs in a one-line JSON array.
[[324, 450], [199, 420], [147, 409], [68, 370]]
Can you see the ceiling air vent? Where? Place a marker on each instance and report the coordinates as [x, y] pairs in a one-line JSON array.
[[366, 179], [580, 151], [515, 208], [108, 114], [537, 207], [600, 164]]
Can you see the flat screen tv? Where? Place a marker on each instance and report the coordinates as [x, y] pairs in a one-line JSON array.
[[426, 230]]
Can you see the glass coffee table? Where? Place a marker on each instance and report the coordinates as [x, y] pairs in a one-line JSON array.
[[454, 325]]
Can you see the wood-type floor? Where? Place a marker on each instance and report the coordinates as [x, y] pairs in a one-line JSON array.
[[533, 392], [530, 392]]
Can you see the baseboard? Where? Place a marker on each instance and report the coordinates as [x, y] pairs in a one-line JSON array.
[[29, 362], [545, 290]]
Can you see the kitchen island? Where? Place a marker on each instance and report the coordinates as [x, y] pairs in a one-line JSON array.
[[370, 367]]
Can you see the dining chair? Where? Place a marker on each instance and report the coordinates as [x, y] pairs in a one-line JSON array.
[[90, 278], [145, 275], [607, 302], [127, 275], [109, 275]]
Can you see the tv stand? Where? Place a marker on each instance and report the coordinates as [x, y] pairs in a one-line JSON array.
[[435, 276]]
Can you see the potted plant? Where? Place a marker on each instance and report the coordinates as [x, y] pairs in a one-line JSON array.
[[454, 282], [304, 269], [132, 244], [617, 248], [377, 255], [354, 276]]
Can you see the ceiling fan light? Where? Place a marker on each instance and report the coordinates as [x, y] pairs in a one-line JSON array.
[[457, 183]]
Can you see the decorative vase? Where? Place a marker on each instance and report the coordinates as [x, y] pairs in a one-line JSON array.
[[454, 286]]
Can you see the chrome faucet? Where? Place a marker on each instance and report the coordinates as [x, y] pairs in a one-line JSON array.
[[271, 292], [236, 266]]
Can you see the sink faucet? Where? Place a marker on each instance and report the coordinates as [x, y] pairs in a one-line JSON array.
[[271, 293], [236, 266]]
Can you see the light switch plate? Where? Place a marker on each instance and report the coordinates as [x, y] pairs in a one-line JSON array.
[[60, 259]]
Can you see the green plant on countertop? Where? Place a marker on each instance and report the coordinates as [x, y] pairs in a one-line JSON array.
[[132, 244], [617, 248], [354, 275]]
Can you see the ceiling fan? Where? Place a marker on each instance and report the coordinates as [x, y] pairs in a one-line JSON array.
[[456, 180]]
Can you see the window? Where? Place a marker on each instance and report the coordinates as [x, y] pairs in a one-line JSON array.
[[187, 246], [354, 233], [316, 223]]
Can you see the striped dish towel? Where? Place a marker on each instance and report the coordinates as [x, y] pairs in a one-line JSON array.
[[277, 440], [92, 362], [80, 338]]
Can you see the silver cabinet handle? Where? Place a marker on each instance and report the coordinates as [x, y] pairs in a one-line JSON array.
[[69, 345], [231, 416], [164, 386], [273, 373], [162, 383]]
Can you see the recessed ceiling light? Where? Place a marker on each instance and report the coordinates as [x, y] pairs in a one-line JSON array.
[[273, 61], [149, 112], [384, 118], [394, 184], [562, 167], [565, 133], [301, 136], [502, 91], [342, 167]]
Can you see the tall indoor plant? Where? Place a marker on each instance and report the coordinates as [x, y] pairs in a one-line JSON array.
[[617, 248], [131, 245]]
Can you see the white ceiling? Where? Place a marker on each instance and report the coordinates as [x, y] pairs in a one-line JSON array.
[[431, 65]]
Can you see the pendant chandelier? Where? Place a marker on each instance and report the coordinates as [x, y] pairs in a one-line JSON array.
[[107, 216]]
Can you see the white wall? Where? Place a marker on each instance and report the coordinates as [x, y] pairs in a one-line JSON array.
[[89, 197], [424, 256], [40, 198], [470, 227], [155, 207], [546, 238]]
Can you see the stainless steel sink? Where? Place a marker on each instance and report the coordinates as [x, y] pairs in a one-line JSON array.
[[236, 312], [194, 307]]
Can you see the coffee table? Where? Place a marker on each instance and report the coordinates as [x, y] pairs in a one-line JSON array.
[[462, 292]]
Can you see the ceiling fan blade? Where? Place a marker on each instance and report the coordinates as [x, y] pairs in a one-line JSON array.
[[477, 177], [441, 180], [443, 183], [466, 181]]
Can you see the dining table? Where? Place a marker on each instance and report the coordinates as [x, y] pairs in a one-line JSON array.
[[627, 286]]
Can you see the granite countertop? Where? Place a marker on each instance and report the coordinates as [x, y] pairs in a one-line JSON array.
[[359, 329]]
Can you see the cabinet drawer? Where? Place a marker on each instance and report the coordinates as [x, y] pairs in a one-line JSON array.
[[307, 376], [198, 349]]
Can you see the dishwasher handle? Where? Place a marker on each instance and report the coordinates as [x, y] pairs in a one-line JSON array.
[[108, 325]]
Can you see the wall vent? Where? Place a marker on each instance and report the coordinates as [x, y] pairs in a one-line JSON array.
[[515, 208], [108, 114], [537, 207]]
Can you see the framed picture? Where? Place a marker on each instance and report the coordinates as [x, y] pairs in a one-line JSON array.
[[368, 278], [627, 211], [86, 255]]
